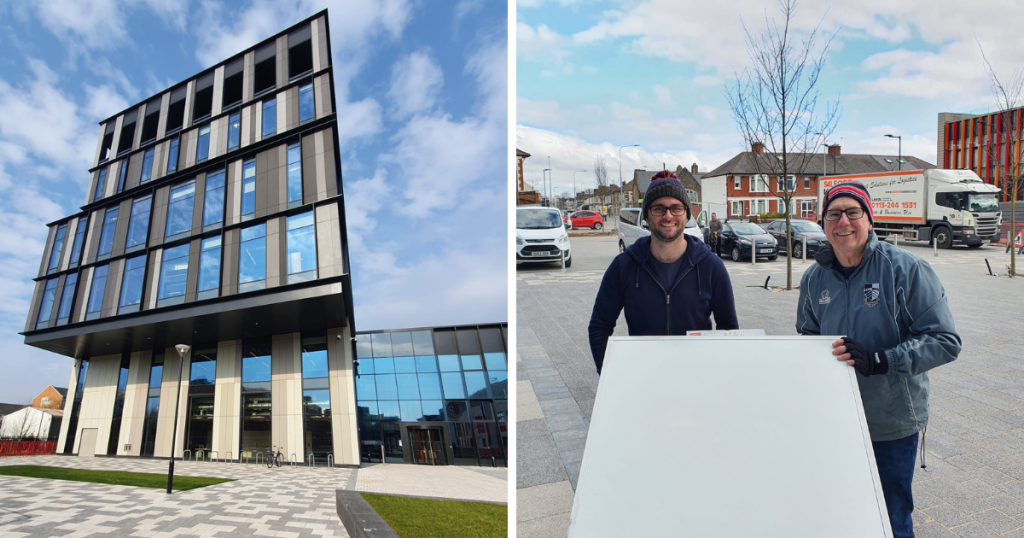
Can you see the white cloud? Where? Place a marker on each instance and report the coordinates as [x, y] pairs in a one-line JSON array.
[[96, 24], [362, 198], [416, 81], [541, 44], [489, 65], [710, 113], [663, 94], [467, 7]]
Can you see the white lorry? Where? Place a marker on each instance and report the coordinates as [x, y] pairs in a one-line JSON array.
[[947, 206]]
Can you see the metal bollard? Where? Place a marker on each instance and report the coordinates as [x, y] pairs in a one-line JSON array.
[[935, 248], [382, 462], [227, 457], [293, 460], [310, 461], [185, 455], [561, 254], [330, 461], [804, 240], [258, 454], [753, 253], [896, 240]]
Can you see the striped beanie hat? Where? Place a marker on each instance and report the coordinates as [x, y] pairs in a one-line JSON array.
[[851, 189], [663, 184]]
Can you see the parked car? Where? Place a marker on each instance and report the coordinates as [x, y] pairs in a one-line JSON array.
[[541, 236], [632, 226], [586, 219], [738, 239], [801, 229]]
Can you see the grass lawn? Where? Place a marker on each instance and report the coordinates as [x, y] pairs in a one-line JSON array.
[[118, 478], [426, 518]]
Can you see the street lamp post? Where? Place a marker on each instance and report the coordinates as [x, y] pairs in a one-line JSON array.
[[182, 350], [544, 184], [574, 187], [899, 156]]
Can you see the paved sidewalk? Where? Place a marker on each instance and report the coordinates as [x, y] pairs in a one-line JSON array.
[[974, 483], [448, 482]]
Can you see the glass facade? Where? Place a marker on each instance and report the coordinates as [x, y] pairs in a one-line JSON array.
[[213, 204], [203, 144], [58, 244], [209, 268], [76, 247], [269, 117], [156, 373], [199, 419], [306, 109], [301, 248], [115, 423], [179, 209], [122, 173], [138, 225], [46, 308], [67, 299], [172, 156], [252, 267], [294, 175], [131, 284], [76, 408], [107, 236], [256, 404], [173, 275], [318, 439], [147, 166], [234, 129], [100, 184], [248, 189], [99, 285]]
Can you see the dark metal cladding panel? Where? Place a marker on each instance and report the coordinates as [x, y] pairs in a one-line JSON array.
[[96, 228], [329, 172], [124, 216], [35, 305], [113, 289], [84, 279], [272, 183], [192, 280], [229, 268], [134, 170], [198, 203], [308, 169], [50, 238], [261, 184], [159, 215], [282, 251], [291, 117], [230, 215], [56, 301]]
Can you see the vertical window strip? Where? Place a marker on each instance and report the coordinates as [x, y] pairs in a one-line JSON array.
[[294, 175], [58, 244], [172, 156], [147, 166], [100, 183], [76, 247]]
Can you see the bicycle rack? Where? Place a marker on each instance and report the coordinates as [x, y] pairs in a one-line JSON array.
[[293, 460], [258, 454], [330, 461], [310, 461], [245, 455], [214, 456], [227, 457], [185, 455]]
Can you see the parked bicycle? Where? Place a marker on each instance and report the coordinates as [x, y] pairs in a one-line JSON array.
[[274, 457]]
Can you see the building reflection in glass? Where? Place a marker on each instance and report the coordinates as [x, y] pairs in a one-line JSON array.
[[256, 403], [316, 399]]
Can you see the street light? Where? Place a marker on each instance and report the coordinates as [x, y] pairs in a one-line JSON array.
[[182, 350], [899, 156], [574, 187], [544, 184]]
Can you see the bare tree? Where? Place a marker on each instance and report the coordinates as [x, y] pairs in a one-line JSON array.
[[1005, 153], [19, 427], [775, 103], [601, 171]]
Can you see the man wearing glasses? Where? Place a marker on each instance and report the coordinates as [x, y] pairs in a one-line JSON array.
[[893, 310], [669, 282]]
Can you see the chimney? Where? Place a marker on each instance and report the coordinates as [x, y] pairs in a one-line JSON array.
[[833, 150], [757, 148], [693, 169]]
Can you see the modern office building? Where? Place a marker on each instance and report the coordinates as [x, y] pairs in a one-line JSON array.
[[979, 143], [214, 218]]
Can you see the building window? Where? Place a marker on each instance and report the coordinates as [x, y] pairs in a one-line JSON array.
[[252, 268], [300, 52], [121, 174], [179, 211], [265, 68], [301, 248], [100, 184], [131, 287], [294, 175], [124, 144], [233, 83], [176, 109], [248, 189], [269, 117], [202, 380], [138, 226], [147, 166], [203, 144], [316, 399], [737, 209], [209, 268], [107, 236], [99, 285], [306, 109], [173, 275], [115, 423], [172, 156], [256, 403], [758, 184], [213, 203], [58, 244], [108, 141], [791, 184], [76, 247], [234, 129], [76, 407], [46, 308], [66, 299], [156, 372], [204, 98], [149, 123], [761, 206], [736, 182]]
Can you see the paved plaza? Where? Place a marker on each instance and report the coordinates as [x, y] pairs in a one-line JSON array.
[[974, 481], [284, 502]]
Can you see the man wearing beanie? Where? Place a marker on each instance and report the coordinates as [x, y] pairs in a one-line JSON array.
[[668, 283], [892, 309]]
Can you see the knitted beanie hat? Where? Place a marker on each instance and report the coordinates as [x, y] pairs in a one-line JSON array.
[[851, 189], [663, 184]]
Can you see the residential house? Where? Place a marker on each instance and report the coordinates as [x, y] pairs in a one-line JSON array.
[[51, 398]]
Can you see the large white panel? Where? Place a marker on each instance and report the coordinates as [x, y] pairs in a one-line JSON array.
[[740, 436]]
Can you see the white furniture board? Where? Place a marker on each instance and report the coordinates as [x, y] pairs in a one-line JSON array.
[[728, 437]]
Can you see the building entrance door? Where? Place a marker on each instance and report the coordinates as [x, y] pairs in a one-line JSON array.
[[427, 446], [87, 448]]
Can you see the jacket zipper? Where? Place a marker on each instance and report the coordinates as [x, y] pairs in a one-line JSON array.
[[668, 295]]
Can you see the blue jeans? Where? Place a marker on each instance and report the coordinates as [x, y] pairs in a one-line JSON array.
[[895, 461]]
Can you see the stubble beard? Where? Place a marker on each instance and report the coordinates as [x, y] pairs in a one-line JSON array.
[[660, 236]]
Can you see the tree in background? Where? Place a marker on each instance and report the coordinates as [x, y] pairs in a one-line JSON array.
[[601, 172], [775, 103]]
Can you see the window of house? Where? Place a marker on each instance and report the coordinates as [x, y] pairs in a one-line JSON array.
[[301, 248], [46, 308], [213, 203], [300, 52], [758, 184], [173, 275], [761, 206], [66, 299], [204, 98], [233, 83], [172, 156], [179, 210], [138, 225], [99, 284], [209, 268], [807, 208], [269, 117], [266, 68], [176, 110], [107, 236], [131, 286], [234, 129], [150, 122], [108, 141], [306, 108], [807, 182], [252, 268], [737, 209], [124, 143], [147, 166], [122, 172], [100, 184], [203, 144], [294, 175], [248, 189], [58, 244], [736, 182], [76, 247]]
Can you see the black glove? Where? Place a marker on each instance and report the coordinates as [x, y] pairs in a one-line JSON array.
[[867, 364]]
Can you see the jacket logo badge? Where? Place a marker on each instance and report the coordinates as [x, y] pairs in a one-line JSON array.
[[871, 294], [825, 299]]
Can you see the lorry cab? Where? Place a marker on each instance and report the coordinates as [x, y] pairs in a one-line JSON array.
[[968, 204]]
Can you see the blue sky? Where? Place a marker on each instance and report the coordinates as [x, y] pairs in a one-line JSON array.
[[595, 75], [422, 93]]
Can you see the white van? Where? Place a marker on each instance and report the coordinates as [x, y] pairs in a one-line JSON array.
[[632, 226], [541, 236]]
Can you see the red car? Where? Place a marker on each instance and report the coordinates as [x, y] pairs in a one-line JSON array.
[[586, 219]]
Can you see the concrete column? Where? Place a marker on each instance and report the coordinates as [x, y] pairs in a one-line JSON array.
[[344, 427], [227, 399]]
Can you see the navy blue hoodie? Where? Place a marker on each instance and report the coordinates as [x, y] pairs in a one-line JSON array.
[[702, 288]]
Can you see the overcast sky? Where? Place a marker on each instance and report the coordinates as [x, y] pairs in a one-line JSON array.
[[592, 76], [422, 94]]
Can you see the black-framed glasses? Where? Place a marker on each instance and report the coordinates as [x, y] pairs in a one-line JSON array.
[[659, 210], [852, 213]]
